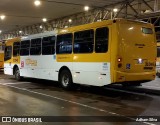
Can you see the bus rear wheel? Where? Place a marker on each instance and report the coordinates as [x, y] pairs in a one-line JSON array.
[[66, 79], [17, 74]]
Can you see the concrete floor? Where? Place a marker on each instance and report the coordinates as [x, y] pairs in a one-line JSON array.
[[32, 97]]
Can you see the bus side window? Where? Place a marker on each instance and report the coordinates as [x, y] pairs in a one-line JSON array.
[[158, 51], [64, 44], [24, 49], [101, 44], [8, 53], [84, 41], [35, 48], [48, 45], [16, 48]]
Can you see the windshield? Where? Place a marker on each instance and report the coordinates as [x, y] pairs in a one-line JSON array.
[[8, 53]]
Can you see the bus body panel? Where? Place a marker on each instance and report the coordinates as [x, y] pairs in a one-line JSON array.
[[37, 67], [1, 60], [42, 67], [137, 63], [1, 55], [12, 61], [96, 66], [97, 74], [126, 44]]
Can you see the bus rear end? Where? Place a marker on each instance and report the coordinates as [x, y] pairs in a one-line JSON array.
[[136, 51], [1, 55]]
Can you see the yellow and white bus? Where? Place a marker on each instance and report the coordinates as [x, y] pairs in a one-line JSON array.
[[158, 59], [97, 54], [1, 55]]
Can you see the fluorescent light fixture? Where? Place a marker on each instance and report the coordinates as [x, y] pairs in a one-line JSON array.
[[2, 17], [70, 20], [41, 27], [20, 31], [44, 19], [86, 8], [37, 3], [115, 10]]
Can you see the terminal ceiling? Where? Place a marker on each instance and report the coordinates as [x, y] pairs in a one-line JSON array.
[[22, 13]]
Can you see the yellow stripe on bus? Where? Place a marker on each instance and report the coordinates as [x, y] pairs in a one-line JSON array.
[[94, 57]]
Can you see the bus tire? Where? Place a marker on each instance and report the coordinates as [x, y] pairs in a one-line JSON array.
[[66, 79], [17, 74]]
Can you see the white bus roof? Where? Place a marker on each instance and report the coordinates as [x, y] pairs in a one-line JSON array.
[[39, 35]]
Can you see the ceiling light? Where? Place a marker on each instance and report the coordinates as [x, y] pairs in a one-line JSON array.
[[20, 31], [70, 20], [0, 31], [41, 27], [147, 11], [115, 10], [2, 17], [37, 3], [86, 8], [44, 19]]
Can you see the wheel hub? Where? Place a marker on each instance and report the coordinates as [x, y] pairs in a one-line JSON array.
[[65, 80]]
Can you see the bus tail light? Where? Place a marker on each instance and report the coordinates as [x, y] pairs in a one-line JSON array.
[[119, 62]]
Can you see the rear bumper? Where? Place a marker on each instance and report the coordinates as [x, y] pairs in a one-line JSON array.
[[124, 77]]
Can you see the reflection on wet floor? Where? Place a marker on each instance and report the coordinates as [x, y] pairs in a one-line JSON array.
[[85, 100], [118, 101]]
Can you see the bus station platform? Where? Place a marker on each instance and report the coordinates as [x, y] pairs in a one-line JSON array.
[[152, 87]]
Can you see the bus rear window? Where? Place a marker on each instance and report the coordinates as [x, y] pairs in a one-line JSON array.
[[158, 51], [147, 30]]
